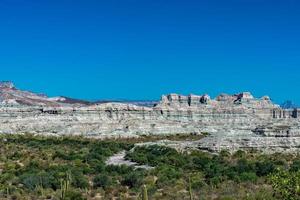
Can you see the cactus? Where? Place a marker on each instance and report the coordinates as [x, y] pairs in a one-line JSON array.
[[145, 193], [190, 189], [7, 192], [62, 190], [65, 185], [68, 180]]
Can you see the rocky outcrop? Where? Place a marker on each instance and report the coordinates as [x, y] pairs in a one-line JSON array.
[[233, 122]]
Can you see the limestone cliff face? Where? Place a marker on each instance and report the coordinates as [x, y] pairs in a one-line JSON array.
[[226, 106], [173, 114], [240, 120]]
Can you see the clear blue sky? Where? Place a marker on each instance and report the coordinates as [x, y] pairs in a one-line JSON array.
[[140, 49]]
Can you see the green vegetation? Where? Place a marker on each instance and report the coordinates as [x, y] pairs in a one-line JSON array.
[[74, 169], [61, 168], [206, 176], [286, 184]]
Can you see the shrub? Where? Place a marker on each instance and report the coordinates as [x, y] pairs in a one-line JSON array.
[[132, 180], [201, 161], [167, 174], [295, 166], [31, 181], [197, 180], [103, 181], [74, 195], [244, 166], [79, 180], [214, 181], [264, 168], [42, 179], [248, 176], [225, 154], [239, 154], [96, 166]]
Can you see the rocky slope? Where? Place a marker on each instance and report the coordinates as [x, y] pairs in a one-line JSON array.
[[10, 95], [232, 121]]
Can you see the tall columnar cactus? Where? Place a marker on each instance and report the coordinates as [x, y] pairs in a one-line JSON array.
[[190, 189], [65, 185], [145, 193], [68, 180], [62, 190], [7, 192]]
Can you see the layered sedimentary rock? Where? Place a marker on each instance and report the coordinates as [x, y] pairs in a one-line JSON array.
[[232, 121]]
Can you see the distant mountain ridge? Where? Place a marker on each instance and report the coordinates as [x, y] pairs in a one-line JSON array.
[[10, 95]]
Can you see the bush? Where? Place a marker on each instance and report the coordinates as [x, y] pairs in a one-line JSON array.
[[79, 180], [225, 154], [155, 155], [97, 166], [201, 161], [244, 166], [214, 169], [74, 195], [214, 181], [103, 181], [295, 166], [132, 180], [118, 170], [264, 168], [248, 177], [42, 179], [167, 174], [197, 180], [31, 181], [239, 154]]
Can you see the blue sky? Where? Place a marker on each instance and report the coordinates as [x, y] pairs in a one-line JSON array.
[[140, 49]]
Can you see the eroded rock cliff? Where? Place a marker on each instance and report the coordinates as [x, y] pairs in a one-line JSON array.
[[233, 122]]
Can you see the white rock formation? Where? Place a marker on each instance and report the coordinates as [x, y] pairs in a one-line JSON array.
[[233, 121]]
